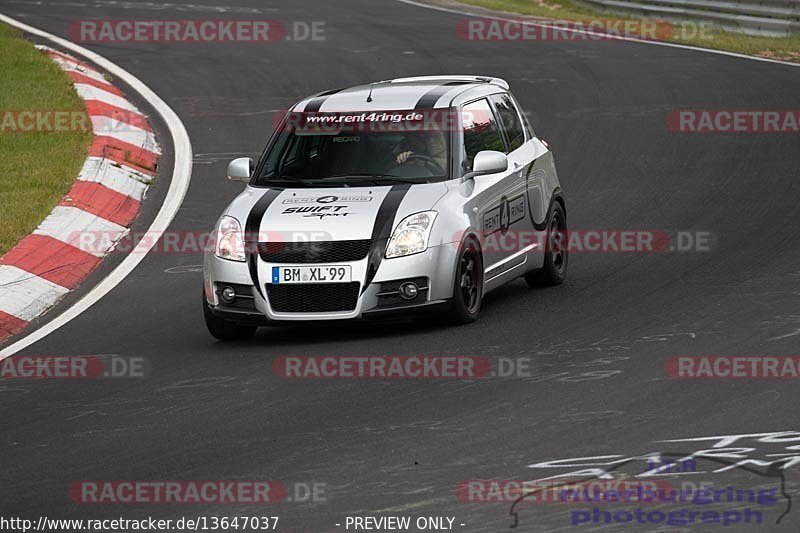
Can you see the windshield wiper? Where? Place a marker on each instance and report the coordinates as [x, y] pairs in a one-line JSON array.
[[335, 179], [288, 181], [388, 177]]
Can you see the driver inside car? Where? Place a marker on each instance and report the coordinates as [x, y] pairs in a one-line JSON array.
[[426, 146]]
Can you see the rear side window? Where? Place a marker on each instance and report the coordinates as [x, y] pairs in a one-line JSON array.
[[480, 131], [509, 116]]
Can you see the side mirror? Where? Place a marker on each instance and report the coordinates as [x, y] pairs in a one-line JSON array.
[[240, 169], [488, 162]]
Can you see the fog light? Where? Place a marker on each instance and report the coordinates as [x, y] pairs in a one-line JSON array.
[[228, 295], [409, 290]]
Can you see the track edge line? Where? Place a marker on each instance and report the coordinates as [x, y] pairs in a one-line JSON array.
[[179, 184]]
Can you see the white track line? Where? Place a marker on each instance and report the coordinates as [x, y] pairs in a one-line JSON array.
[[587, 32], [181, 176]]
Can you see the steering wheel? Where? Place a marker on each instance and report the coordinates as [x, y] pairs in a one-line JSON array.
[[428, 162]]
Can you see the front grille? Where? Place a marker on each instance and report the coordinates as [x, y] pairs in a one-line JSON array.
[[313, 252], [313, 297]]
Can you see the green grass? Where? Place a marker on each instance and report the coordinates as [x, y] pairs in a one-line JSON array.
[[785, 48], [36, 168]]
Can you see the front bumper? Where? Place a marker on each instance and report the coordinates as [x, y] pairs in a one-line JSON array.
[[432, 270]]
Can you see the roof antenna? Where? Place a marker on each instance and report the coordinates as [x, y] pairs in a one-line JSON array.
[[369, 96]]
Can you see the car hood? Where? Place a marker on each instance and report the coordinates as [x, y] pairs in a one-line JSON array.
[[345, 213]]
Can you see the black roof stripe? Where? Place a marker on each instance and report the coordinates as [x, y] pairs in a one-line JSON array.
[[315, 103], [429, 99]]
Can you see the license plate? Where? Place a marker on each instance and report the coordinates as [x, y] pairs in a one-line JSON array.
[[312, 274]]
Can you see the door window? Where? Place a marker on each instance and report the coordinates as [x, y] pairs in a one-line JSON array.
[[480, 131], [509, 117]]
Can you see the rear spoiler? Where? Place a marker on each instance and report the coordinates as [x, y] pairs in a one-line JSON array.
[[444, 79]]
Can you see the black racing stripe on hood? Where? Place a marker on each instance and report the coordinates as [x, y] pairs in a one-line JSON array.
[[429, 99], [315, 103], [251, 229], [382, 229]]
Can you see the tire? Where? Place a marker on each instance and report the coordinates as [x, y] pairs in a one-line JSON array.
[[468, 284], [225, 330], [556, 255]]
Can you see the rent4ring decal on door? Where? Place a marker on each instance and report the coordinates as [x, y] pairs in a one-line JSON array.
[[505, 214]]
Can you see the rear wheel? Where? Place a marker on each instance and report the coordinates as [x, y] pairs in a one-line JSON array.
[[468, 285], [222, 329], [554, 271]]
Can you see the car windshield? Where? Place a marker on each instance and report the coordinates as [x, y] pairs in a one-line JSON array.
[[313, 157]]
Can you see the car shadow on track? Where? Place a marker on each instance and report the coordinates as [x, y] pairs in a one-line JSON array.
[[508, 298]]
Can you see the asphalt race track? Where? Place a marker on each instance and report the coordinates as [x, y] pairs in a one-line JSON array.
[[211, 410]]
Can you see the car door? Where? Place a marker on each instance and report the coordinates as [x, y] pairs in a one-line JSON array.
[[498, 199], [533, 156], [522, 154]]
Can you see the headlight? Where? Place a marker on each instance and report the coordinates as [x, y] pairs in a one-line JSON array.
[[230, 242], [411, 235]]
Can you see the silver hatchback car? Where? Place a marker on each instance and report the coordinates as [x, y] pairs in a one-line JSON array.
[[395, 199]]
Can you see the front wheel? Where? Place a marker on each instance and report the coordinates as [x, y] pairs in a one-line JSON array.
[[554, 271], [468, 285], [222, 329]]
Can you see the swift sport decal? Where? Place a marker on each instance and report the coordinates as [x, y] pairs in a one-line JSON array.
[[323, 215], [297, 212], [290, 217], [313, 209]]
